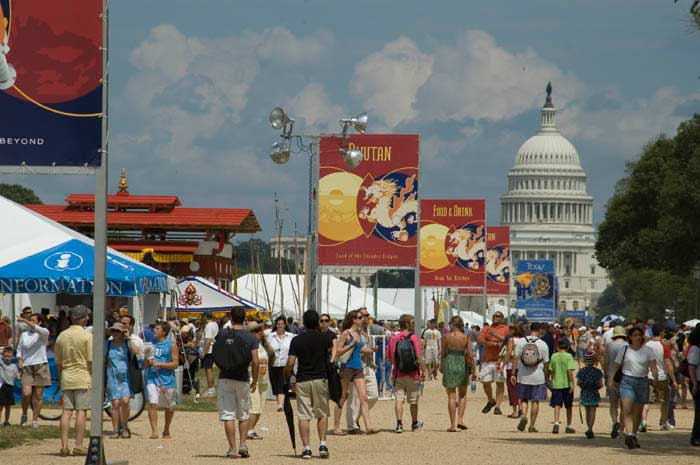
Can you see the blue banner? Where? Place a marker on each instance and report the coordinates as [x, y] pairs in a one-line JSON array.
[[51, 83], [535, 289]]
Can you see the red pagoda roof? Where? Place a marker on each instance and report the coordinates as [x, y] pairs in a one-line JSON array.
[[125, 199], [225, 219], [157, 246]]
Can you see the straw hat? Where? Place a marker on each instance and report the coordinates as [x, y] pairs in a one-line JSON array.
[[117, 326], [619, 331], [253, 326]]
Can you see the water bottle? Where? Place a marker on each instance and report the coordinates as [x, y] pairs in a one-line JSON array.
[[473, 386], [420, 387]]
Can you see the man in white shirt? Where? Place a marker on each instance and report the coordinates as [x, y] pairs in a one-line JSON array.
[[431, 349], [33, 365], [134, 340], [531, 379], [211, 329]]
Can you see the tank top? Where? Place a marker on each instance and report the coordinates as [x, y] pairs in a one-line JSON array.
[[355, 360], [162, 353]]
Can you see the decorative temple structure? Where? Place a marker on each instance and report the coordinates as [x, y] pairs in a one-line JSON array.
[[159, 231]]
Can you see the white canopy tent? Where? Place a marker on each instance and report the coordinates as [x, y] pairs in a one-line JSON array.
[[196, 294], [288, 297]]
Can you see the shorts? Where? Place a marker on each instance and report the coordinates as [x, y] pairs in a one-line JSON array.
[[233, 400], [156, 396], [406, 388], [76, 399], [351, 374], [659, 391], [208, 361], [36, 375], [489, 373], [257, 399], [614, 393], [312, 399], [634, 388], [7, 395], [431, 355], [535, 392], [562, 398]]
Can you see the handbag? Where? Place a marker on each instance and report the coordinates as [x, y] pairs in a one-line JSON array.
[[618, 374], [135, 375], [343, 359]]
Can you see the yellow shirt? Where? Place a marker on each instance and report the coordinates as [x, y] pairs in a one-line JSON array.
[[73, 352]]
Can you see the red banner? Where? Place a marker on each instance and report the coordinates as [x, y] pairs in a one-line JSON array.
[[498, 266], [452, 243], [498, 260], [367, 216]]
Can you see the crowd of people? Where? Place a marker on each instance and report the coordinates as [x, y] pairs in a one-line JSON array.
[[329, 364]]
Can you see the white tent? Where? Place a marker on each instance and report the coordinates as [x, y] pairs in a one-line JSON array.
[[288, 297], [197, 294], [472, 318]]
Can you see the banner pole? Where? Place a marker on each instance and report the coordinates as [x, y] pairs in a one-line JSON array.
[[95, 453]]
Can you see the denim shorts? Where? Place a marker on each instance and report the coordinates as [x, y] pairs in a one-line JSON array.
[[532, 392], [634, 388]]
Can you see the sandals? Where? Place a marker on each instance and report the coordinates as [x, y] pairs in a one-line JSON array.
[[514, 416], [79, 452], [243, 452], [450, 430], [64, 453], [462, 427], [126, 433], [153, 436]]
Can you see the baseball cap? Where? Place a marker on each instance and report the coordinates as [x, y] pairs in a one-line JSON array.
[[582, 328]]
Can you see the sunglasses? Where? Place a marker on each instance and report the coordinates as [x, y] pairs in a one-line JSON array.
[[325, 320], [364, 315]]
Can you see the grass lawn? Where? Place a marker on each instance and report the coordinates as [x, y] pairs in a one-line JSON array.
[[13, 436], [188, 404]]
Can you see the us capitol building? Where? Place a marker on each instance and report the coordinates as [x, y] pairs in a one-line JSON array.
[[550, 213]]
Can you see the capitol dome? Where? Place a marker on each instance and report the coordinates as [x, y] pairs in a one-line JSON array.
[[550, 213]]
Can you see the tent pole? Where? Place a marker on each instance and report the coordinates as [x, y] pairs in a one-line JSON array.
[[13, 311]]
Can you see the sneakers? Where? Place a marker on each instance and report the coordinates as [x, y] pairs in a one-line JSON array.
[[23, 421], [253, 435], [211, 392], [629, 441], [399, 428], [497, 411], [6, 424], [487, 408], [323, 452], [306, 454], [35, 425], [643, 428], [522, 423], [555, 428], [615, 433], [243, 452], [667, 427], [569, 430], [589, 434], [416, 425]]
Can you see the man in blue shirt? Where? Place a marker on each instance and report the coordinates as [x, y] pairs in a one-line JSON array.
[[161, 360]]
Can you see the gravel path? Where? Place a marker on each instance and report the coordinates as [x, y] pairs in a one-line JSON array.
[[198, 439]]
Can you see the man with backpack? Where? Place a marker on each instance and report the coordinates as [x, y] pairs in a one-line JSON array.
[[530, 365], [405, 355], [234, 351]]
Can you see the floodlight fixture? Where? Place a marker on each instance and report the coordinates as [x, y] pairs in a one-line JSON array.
[[359, 123], [280, 153], [352, 157], [278, 118]]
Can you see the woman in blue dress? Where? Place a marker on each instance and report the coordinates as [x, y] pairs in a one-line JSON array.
[[118, 353]]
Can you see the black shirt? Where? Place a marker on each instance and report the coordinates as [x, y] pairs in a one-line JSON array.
[[311, 351], [251, 343]]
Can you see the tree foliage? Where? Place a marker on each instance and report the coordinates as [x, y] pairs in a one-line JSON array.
[[650, 239], [19, 194], [255, 256]]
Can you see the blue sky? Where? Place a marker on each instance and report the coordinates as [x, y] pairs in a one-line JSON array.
[[193, 82]]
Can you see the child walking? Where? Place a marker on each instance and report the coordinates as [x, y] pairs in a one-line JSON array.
[[8, 375], [590, 379], [562, 367]]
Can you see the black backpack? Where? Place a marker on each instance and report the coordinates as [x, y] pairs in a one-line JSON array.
[[230, 351], [405, 355]]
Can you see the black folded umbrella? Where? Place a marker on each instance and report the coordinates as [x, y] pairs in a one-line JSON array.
[[289, 416], [335, 387]]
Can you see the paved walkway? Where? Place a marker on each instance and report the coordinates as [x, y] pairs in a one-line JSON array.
[[198, 439]]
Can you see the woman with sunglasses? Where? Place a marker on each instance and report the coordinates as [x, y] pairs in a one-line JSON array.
[[635, 363], [119, 353], [352, 343]]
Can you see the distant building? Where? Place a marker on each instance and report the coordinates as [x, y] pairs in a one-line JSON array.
[[550, 213]]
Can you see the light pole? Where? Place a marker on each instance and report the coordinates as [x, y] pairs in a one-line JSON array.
[[696, 275], [280, 153]]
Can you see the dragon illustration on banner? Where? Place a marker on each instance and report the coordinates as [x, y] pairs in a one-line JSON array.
[[390, 206], [466, 246]]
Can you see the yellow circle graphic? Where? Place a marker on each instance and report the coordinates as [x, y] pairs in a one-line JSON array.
[[432, 246], [337, 206]]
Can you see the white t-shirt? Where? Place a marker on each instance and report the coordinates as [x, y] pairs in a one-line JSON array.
[[636, 362], [607, 337], [534, 375], [280, 345], [658, 349], [32, 346], [432, 338], [210, 332], [694, 359]]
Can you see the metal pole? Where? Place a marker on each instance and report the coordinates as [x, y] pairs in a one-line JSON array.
[[375, 295], [95, 453], [417, 301], [315, 294]]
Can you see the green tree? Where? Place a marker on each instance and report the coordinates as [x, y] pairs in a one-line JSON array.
[[19, 194], [255, 256], [649, 240]]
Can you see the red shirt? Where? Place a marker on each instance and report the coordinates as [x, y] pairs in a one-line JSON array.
[[391, 350], [5, 333], [490, 353]]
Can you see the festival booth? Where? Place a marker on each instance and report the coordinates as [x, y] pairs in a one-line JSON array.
[[197, 295], [287, 297]]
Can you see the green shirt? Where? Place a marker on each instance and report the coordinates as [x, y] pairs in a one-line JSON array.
[[559, 365]]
